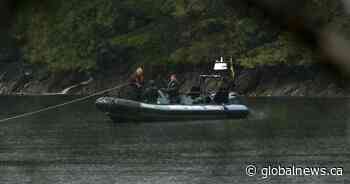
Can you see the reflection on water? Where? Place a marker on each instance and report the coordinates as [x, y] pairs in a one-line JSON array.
[[78, 144]]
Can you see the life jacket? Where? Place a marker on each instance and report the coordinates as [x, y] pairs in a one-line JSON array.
[[173, 88], [136, 79]]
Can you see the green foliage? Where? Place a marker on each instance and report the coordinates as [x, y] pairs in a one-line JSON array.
[[67, 35], [180, 8], [132, 40], [285, 50], [66, 38]]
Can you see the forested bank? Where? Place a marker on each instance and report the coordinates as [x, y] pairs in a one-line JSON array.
[[49, 45]]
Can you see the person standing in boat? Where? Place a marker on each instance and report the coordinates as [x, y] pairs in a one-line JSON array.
[[173, 90], [221, 96], [136, 83]]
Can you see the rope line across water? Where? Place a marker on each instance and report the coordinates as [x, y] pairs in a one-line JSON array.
[[61, 105]]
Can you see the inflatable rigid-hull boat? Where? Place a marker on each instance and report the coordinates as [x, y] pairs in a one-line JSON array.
[[121, 110]]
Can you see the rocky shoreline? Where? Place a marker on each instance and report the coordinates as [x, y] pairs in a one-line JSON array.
[[281, 80]]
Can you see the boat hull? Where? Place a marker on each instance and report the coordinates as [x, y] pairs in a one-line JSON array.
[[121, 110]]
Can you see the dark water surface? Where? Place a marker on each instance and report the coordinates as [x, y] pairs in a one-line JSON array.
[[78, 144]]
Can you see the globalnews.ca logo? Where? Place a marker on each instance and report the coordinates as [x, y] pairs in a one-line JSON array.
[[271, 171]]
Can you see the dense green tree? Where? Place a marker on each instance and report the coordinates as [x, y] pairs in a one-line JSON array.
[[86, 35]]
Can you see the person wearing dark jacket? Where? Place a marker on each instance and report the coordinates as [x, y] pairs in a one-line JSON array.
[[221, 96], [151, 93], [173, 90]]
